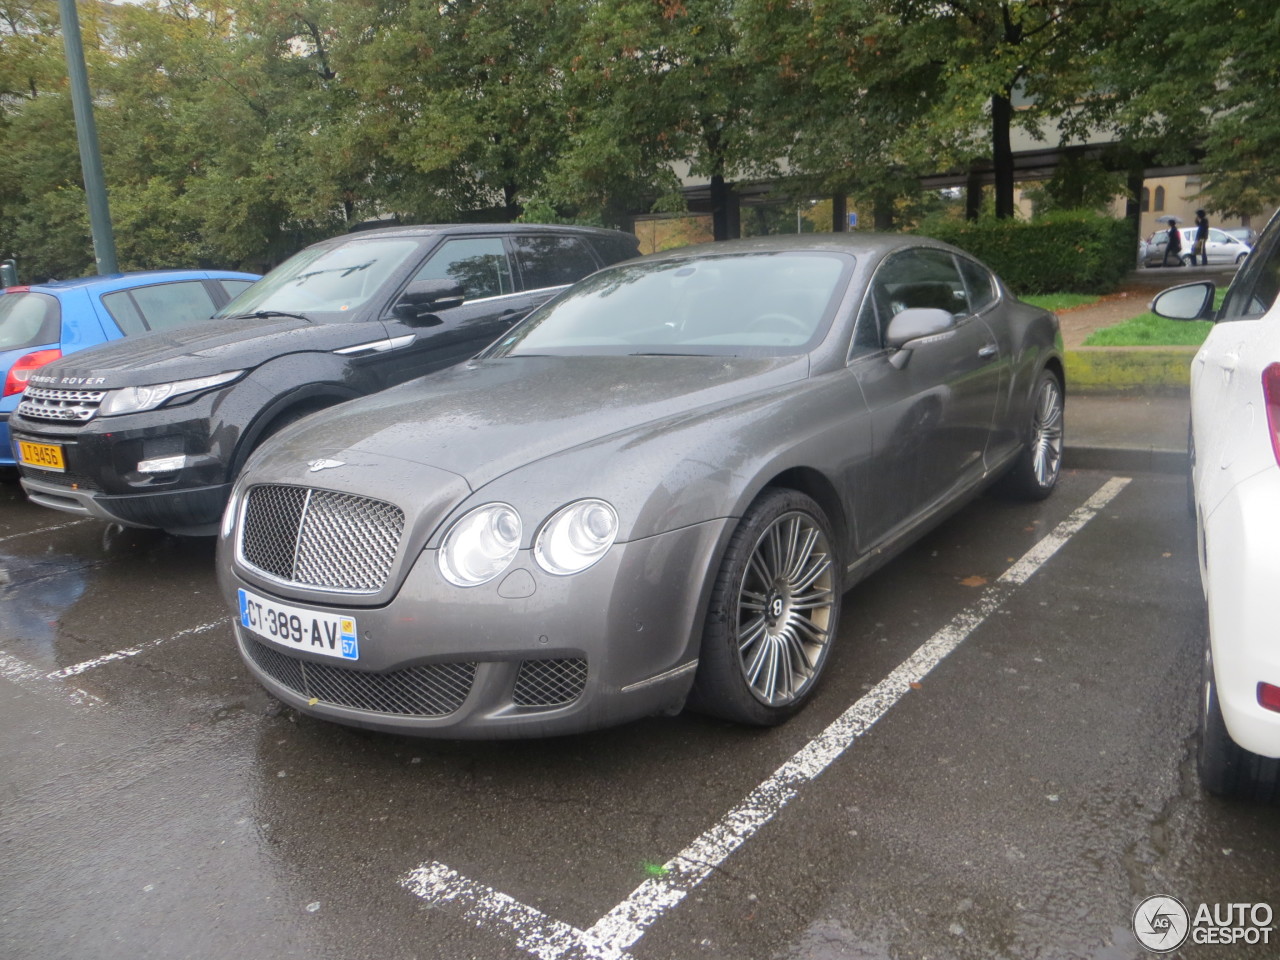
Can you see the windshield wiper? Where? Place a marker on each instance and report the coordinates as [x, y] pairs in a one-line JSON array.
[[268, 314]]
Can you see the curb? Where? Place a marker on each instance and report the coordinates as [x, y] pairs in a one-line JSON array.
[[1136, 459], [1129, 370]]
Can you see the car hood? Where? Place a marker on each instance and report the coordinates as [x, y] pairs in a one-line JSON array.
[[485, 418], [215, 346]]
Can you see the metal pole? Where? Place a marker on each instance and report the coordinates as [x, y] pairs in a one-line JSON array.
[[95, 184]]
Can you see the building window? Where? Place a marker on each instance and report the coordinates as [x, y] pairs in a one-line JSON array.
[[1145, 202], [1159, 199]]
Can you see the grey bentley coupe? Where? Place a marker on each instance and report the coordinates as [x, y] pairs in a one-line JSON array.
[[650, 493]]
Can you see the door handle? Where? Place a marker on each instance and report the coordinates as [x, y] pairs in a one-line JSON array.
[[989, 351]]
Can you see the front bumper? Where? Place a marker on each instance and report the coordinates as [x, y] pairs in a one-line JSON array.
[[101, 477], [527, 654], [1241, 572]]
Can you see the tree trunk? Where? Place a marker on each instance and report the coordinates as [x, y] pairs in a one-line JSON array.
[[883, 211], [839, 213], [1002, 154], [973, 193], [725, 217]]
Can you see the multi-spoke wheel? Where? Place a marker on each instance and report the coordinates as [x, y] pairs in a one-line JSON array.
[[773, 613], [1035, 473]]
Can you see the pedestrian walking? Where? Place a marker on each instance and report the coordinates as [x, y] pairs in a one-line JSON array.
[[1201, 244], [1173, 246]]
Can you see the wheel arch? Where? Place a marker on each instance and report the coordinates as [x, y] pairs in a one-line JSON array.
[[819, 488], [296, 403]]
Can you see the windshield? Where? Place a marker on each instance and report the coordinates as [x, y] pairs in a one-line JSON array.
[[325, 280], [28, 320], [760, 304]]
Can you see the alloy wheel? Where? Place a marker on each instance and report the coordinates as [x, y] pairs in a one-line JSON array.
[[785, 604], [1046, 433]]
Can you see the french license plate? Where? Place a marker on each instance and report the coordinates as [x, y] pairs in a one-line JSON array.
[[298, 629], [46, 456]]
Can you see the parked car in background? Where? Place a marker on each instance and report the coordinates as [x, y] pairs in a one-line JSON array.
[[1234, 493], [1243, 234], [42, 322], [657, 486], [152, 433], [1221, 248]]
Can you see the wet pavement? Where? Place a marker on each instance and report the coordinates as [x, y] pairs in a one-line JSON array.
[[997, 764]]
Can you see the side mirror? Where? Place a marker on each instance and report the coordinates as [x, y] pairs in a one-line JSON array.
[[1189, 301], [913, 327], [433, 294]]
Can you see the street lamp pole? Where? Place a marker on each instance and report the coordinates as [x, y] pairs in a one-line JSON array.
[[95, 185]]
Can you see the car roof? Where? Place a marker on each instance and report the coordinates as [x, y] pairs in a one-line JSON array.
[[857, 243], [434, 229], [122, 281]]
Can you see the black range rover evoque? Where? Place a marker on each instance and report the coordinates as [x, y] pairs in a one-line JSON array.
[[151, 431]]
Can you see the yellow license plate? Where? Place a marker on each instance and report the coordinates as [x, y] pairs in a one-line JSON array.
[[46, 456]]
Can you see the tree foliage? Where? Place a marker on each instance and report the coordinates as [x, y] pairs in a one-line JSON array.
[[235, 131]]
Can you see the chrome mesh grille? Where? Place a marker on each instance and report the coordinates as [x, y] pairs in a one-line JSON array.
[[43, 403], [319, 538], [433, 690], [549, 683]]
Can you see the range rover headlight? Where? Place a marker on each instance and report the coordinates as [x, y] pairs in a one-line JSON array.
[[480, 545], [575, 537], [137, 399]]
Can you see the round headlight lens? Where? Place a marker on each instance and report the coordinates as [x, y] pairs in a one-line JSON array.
[[481, 545], [576, 536]]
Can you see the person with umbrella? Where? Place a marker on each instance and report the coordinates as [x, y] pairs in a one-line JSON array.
[[1174, 244]]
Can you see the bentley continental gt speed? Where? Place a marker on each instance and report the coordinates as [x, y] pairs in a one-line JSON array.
[[651, 492]]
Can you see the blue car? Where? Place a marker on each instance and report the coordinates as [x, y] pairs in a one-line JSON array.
[[41, 322]]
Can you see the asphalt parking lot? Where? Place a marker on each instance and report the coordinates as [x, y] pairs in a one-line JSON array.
[[999, 763]]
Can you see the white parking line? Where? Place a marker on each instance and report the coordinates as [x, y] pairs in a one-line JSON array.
[[29, 678], [30, 533], [620, 929], [24, 675], [80, 668]]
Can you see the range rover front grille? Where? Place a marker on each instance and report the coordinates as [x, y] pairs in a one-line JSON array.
[[319, 538], [76, 406], [432, 690]]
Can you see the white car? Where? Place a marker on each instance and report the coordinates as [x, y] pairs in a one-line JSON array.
[[1234, 447]]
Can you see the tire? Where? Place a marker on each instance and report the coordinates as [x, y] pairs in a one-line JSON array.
[[1226, 769], [1188, 261], [1241, 259], [773, 615], [1035, 473]]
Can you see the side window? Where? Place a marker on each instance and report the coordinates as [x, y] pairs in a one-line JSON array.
[[867, 334], [479, 264], [919, 278], [552, 261], [979, 282], [164, 306], [234, 288], [1258, 283]]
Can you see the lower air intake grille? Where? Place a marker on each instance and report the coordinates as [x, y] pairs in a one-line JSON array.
[[319, 538], [550, 683], [433, 690]]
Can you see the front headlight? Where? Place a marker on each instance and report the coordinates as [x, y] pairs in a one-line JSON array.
[[575, 537], [137, 399], [481, 545]]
